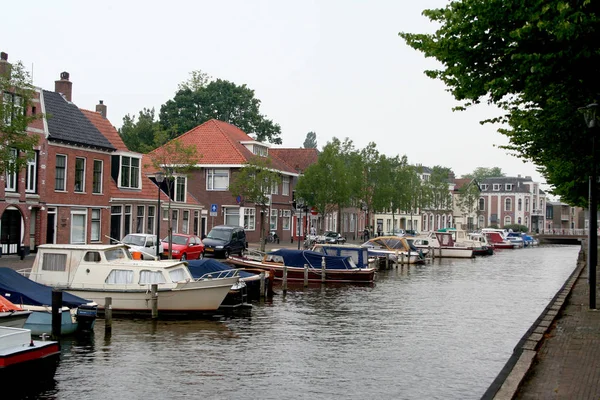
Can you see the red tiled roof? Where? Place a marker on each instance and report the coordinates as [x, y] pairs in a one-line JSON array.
[[219, 143], [460, 182], [106, 128], [297, 159]]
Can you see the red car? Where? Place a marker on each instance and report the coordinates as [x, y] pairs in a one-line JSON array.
[[185, 247]]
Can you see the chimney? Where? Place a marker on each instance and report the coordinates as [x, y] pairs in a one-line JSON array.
[[101, 108], [4, 65], [64, 86]]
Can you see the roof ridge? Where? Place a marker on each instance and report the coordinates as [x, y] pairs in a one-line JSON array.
[[214, 121]]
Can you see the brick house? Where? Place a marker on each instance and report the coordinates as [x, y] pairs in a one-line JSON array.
[[222, 150]]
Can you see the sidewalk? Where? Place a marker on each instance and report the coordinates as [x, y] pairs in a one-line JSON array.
[[559, 358]]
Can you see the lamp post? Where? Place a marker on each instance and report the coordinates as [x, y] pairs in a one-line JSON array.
[[159, 177], [589, 114]]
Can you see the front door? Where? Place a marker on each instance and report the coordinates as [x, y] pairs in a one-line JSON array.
[[51, 227], [10, 231]]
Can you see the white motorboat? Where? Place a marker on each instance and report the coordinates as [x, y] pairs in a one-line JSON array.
[[96, 272], [442, 245]]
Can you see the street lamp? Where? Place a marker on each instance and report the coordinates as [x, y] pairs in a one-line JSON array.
[[589, 114], [159, 177]]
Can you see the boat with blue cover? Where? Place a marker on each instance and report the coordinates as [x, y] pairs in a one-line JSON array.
[[336, 268], [77, 314]]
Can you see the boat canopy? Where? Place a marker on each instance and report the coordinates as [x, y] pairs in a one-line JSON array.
[[297, 258], [22, 290], [199, 268]]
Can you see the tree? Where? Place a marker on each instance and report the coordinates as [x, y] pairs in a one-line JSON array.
[[175, 161], [467, 200], [17, 96], [201, 99], [538, 62], [253, 184], [139, 136], [439, 199], [481, 173], [311, 140]]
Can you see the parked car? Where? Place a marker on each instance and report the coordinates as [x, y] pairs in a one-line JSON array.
[[223, 240], [144, 243], [411, 232], [397, 232], [185, 247], [330, 237]]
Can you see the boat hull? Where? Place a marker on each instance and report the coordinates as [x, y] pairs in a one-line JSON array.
[[14, 319], [452, 252], [187, 298]]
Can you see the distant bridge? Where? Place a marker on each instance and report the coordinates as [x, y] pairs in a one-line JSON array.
[[561, 236]]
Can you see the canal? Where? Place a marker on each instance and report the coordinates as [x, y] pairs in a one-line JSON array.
[[437, 331]]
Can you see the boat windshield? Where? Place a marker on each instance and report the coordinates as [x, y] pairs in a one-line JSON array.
[[117, 254], [220, 234]]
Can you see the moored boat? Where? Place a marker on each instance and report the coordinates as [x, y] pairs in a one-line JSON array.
[[442, 245], [359, 253], [336, 268], [395, 248], [99, 271], [12, 315]]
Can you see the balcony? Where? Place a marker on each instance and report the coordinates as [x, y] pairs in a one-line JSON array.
[[538, 211], [565, 217]]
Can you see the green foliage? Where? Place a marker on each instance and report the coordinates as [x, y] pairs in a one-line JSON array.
[[538, 62], [311, 141], [437, 190], [16, 95], [481, 173], [139, 136], [253, 184], [468, 198], [201, 99], [517, 228]]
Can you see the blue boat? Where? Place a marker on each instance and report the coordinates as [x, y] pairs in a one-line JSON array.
[[77, 314]]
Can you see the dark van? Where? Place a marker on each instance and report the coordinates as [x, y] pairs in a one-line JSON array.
[[223, 240]]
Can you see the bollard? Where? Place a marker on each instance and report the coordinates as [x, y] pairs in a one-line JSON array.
[[387, 261], [323, 273], [107, 314], [262, 285], [402, 258], [284, 283], [56, 313], [397, 259], [154, 294], [305, 275]]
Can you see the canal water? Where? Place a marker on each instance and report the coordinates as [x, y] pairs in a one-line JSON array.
[[437, 331]]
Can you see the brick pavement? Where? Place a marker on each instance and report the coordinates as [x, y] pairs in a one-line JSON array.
[[559, 357]]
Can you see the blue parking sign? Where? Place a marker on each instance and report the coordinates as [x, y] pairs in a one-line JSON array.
[[213, 208]]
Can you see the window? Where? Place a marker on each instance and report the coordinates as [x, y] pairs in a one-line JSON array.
[[275, 187], [273, 220], [31, 174], [95, 228], [508, 205], [13, 105], [127, 221], [217, 179], [519, 221], [527, 205], [507, 220], [97, 178], [54, 262], [130, 172], [285, 220], [496, 187], [119, 277], [285, 186], [149, 277], [174, 220], [92, 256], [78, 226], [481, 204], [79, 174], [484, 186], [250, 218], [260, 150], [481, 221], [10, 176], [508, 187], [60, 178], [139, 220], [520, 204], [180, 189], [185, 222], [232, 215], [150, 226], [178, 275]]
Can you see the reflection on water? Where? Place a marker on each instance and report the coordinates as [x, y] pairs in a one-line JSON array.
[[442, 330]]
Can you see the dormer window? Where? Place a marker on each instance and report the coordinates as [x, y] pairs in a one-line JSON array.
[[126, 171], [508, 187], [260, 150], [496, 187], [484, 186]]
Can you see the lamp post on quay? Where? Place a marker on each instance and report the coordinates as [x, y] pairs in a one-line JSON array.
[[159, 177], [589, 114]]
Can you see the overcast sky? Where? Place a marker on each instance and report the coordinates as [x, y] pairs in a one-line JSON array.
[[338, 68]]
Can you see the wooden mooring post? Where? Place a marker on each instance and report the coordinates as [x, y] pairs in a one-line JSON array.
[[56, 313], [397, 259], [154, 294], [305, 275], [387, 261], [107, 315], [323, 271], [284, 283], [262, 285]]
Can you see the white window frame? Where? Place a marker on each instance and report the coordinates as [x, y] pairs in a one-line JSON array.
[[174, 220], [508, 187], [484, 186], [180, 189], [508, 204], [273, 217], [65, 169], [132, 171], [507, 220], [286, 215], [82, 189], [150, 221], [100, 183], [31, 174], [249, 219], [231, 213], [481, 204], [185, 222], [140, 219], [212, 173], [95, 222], [10, 178], [78, 213], [274, 187], [285, 186], [496, 187]]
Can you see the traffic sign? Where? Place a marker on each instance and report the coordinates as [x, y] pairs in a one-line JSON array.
[[313, 211], [213, 210]]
